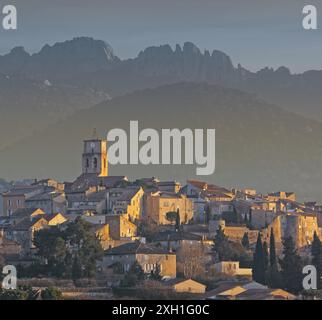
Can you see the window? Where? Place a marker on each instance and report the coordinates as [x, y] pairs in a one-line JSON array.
[[95, 163], [87, 163]]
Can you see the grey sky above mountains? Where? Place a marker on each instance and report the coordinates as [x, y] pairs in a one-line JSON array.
[[253, 33]]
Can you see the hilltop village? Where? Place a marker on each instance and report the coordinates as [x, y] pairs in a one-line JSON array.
[[104, 236]]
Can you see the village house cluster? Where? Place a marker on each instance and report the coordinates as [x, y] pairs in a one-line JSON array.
[[162, 226]]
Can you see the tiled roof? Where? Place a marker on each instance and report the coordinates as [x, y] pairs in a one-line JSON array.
[[176, 236], [123, 194], [25, 224], [87, 180], [172, 282], [20, 191], [49, 217], [136, 248], [164, 194], [44, 196], [23, 212], [168, 183], [198, 184]]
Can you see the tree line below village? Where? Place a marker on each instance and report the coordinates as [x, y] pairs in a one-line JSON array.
[[71, 253], [268, 269]]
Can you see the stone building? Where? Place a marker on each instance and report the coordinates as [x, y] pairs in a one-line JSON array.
[[120, 227], [158, 204], [16, 197], [49, 202], [147, 256], [127, 200]]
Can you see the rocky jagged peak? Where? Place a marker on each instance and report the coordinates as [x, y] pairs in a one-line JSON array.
[[156, 51], [19, 52], [219, 55], [190, 48], [207, 54], [222, 60], [283, 71], [85, 47], [178, 49]]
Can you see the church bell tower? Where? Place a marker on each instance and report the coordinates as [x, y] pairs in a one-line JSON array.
[[95, 157]]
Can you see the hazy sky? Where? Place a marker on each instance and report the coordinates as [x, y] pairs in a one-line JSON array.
[[255, 33]]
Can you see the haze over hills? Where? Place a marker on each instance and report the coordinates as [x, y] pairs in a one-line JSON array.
[[42, 124], [88, 63], [257, 144], [28, 106]]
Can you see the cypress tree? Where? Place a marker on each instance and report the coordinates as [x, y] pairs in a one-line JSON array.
[[316, 252], [245, 241], [207, 214], [258, 262], [272, 249], [291, 266], [266, 257], [219, 242], [245, 220], [236, 216], [250, 218], [178, 222], [273, 275]]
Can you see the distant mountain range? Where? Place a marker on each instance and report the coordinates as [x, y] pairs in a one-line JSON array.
[[51, 100], [91, 64], [258, 144]]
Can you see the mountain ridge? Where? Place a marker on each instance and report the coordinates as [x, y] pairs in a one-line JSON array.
[[258, 144], [89, 63]]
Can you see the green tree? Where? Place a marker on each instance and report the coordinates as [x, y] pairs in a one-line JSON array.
[[133, 277], [207, 214], [147, 229], [18, 294], [237, 216], [156, 273], [245, 241], [71, 252], [250, 218], [291, 266], [229, 250], [174, 217], [259, 262], [273, 275], [137, 270], [178, 222], [272, 249], [219, 242], [51, 293], [2, 262], [316, 252], [266, 256]]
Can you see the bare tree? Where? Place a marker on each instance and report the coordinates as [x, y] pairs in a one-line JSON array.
[[191, 260]]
